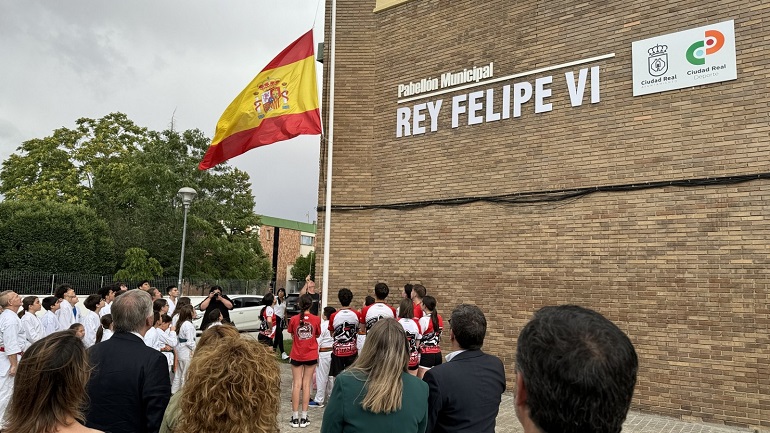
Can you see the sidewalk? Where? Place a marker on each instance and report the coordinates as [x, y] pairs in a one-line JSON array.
[[506, 419]]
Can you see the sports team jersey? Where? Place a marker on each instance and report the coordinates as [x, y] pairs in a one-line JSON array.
[[264, 327], [344, 327], [371, 314], [305, 347], [418, 310], [413, 336], [431, 338]]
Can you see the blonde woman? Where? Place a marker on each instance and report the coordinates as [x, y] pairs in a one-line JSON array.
[[376, 392], [230, 387]]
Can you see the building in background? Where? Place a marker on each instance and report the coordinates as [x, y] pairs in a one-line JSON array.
[[283, 241], [496, 152]]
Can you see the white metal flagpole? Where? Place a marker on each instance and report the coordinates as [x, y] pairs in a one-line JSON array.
[[330, 145]]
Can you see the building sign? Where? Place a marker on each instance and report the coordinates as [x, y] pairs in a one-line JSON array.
[[684, 59], [494, 102]]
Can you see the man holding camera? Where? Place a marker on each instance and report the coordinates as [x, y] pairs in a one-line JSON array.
[[216, 301]]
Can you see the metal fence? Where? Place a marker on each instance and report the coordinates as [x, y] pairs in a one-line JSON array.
[[85, 284]]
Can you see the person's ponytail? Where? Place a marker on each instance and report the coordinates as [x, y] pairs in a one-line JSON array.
[[430, 304]]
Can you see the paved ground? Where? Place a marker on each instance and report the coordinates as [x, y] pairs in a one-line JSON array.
[[506, 420]]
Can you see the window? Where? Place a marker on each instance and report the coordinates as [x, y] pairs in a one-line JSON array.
[[253, 302], [306, 240]]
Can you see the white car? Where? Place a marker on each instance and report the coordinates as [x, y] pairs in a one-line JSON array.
[[244, 315]]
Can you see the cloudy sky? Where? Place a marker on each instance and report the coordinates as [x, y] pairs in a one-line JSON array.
[[62, 60]]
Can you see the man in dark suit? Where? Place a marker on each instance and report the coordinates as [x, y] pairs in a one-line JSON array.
[[464, 393], [575, 372], [129, 387]]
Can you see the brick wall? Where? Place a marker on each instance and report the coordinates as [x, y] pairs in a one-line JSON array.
[[682, 270], [288, 250]]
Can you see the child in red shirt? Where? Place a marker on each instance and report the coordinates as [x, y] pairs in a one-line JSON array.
[[304, 329]]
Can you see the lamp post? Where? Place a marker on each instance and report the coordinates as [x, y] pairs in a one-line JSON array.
[[186, 195]]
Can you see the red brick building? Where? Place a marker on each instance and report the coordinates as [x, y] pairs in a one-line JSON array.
[[563, 187], [283, 241]]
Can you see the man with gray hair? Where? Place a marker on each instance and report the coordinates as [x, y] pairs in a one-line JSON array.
[[464, 393], [129, 387], [12, 344]]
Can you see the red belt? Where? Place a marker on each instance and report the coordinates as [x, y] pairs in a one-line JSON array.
[[325, 349]]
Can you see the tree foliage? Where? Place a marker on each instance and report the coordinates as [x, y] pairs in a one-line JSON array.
[[53, 237], [138, 266], [130, 176], [303, 266]]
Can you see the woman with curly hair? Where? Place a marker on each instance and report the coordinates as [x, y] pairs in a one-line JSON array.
[[230, 387], [377, 393], [51, 394]]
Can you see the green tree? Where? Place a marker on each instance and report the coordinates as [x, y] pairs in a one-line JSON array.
[[138, 266], [130, 176], [53, 237], [304, 266], [61, 167]]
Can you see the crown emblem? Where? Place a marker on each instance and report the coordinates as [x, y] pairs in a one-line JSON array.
[[657, 49]]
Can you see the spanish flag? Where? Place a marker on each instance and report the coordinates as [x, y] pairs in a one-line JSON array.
[[279, 104]]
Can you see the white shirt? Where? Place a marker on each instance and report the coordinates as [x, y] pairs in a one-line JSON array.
[[33, 328], [91, 322], [279, 309], [325, 340], [171, 305], [65, 315], [107, 334], [451, 355], [50, 323], [107, 309]]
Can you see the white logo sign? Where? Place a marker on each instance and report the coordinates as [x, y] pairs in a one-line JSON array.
[[689, 58]]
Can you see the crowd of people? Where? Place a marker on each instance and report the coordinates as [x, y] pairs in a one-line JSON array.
[[138, 368]]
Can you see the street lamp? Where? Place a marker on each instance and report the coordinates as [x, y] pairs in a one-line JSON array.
[[186, 195]]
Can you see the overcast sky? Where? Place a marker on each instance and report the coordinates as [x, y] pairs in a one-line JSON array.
[[62, 60]]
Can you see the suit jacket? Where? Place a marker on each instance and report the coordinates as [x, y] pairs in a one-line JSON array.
[[344, 413], [464, 393], [129, 387]]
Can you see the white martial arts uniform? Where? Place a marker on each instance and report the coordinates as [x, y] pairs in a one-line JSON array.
[[50, 323], [171, 305], [323, 382], [11, 344], [168, 338], [184, 351], [151, 338], [91, 323], [65, 315], [107, 309], [33, 328]]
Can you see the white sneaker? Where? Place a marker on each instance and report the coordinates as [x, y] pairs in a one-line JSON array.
[[284, 355], [304, 422]]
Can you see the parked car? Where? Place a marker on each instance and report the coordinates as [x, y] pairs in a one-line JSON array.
[[244, 315], [292, 309]]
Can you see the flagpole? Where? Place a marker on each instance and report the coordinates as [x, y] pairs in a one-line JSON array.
[[330, 145]]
